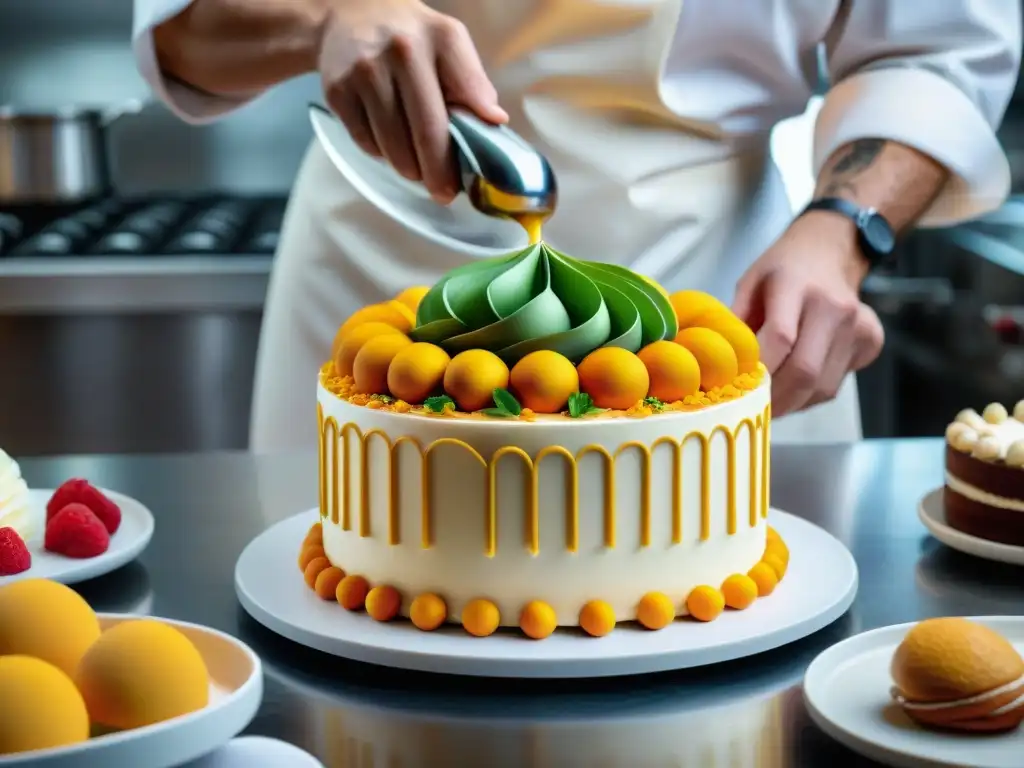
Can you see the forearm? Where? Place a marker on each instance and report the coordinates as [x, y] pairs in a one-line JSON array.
[[237, 47], [897, 181]]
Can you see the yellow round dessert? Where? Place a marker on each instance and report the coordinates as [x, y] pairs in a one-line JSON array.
[[40, 708], [47, 620], [140, 673]]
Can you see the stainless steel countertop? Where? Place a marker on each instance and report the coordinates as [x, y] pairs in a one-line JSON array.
[[209, 506], [62, 285]]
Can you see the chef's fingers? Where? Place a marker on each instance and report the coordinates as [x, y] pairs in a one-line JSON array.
[[350, 110], [427, 114], [801, 377], [838, 364], [748, 303], [870, 337], [782, 298], [373, 82], [461, 73]]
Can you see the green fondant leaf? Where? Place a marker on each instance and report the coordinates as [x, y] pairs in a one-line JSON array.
[[498, 412], [540, 299], [506, 401], [438, 404]]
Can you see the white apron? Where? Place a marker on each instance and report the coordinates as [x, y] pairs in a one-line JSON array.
[[638, 185]]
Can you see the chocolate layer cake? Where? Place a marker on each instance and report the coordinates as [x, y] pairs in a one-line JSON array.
[[984, 493]]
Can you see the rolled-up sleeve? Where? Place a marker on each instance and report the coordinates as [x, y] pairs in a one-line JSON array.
[[189, 104], [934, 76]]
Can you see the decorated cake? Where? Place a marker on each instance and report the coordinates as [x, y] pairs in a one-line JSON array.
[[539, 441], [984, 492]]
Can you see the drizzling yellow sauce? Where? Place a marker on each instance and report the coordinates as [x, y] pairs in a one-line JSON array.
[[532, 223]]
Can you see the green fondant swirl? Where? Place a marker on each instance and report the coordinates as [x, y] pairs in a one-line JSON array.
[[539, 298]]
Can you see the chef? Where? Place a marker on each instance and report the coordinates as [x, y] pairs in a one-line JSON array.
[[656, 116]]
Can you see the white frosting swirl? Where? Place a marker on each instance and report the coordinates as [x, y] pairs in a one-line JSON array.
[[988, 448], [961, 436], [967, 701], [972, 419], [15, 509], [995, 413], [1015, 454]]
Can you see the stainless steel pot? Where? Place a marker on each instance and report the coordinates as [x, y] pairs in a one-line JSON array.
[[56, 157]]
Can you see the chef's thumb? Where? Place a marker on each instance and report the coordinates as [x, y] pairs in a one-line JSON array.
[[465, 82]]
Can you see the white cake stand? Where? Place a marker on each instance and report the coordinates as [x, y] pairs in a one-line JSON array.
[[810, 597]]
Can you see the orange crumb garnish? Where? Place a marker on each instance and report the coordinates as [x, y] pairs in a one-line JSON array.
[[326, 584], [655, 610], [537, 620], [351, 592], [597, 618], [383, 602], [428, 612], [705, 603]]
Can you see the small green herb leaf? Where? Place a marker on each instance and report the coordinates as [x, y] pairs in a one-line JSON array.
[[581, 404], [498, 412], [654, 404], [383, 398], [507, 402], [438, 404]]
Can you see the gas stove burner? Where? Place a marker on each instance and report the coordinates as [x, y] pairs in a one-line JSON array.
[[153, 227]]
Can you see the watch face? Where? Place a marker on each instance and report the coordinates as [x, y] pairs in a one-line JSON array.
[[877, 232]]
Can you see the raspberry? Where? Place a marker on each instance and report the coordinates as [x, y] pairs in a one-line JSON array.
[[14, 555], [78, 491], [76, 532]]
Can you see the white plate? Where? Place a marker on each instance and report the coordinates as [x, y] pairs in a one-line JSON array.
[[131, 539], [271, 589], [847, 694], [236, 690], [933, 515]]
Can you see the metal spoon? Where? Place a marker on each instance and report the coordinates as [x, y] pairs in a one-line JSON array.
[[502, 174]]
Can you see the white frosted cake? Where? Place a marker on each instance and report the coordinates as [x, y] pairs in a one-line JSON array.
[[604, 458]]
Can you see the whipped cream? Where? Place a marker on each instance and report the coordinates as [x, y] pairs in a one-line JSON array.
[[967, 701], [15, 509]]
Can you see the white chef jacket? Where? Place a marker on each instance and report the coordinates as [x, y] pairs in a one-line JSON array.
[[656, 116]]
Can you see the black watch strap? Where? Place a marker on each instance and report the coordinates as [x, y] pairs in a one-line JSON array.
[[875, 235]]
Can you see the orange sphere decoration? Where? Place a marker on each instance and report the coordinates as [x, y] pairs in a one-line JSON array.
[[383, 602], [655, 610], [391, 312], [428, 612], [716, 357], [480, 618], [739, 591], [310, 553], [315, 535], [351, 593], [597, 618], [370, 367], [765, 579], [543, 381], [326, 584], [614, 378], [353, 341], [689, 305], [705, 603], [416, 372], [742, 340], [673, 369], [472, 376], [411, 297], [537, 620], [313, 569]]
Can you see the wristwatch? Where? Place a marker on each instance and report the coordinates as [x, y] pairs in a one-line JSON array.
[[875, 235]]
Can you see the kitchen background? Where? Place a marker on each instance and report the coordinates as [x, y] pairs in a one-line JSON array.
[[130, 324]]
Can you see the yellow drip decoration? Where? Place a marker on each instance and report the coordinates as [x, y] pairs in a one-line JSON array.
[[336, 446], [533, 225]]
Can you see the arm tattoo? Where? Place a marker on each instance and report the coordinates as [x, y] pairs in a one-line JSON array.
[[855, 158]]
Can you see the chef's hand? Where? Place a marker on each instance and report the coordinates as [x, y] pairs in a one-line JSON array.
[[802, 298], [389, 68]]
